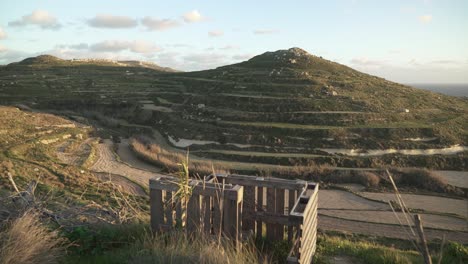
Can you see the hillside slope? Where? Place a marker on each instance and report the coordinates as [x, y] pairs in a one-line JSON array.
[[287, 101]]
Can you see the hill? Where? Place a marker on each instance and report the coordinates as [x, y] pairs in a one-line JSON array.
[[52, 61], [305, 107]]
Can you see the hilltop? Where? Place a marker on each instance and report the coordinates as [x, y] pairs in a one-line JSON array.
[[52, 61]]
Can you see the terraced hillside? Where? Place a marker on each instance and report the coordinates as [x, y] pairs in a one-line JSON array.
[[285, 107]]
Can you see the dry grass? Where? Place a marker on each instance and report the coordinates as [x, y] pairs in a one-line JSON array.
[[27, 240], [177, 247], [420, 178], [148, 150]]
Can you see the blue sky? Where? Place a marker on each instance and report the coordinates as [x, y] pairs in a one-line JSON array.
[[405, 41]]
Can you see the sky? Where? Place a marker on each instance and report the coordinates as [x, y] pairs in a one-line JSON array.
[[412, 41]]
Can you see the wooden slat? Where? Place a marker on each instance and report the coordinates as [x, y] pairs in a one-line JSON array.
[[193, 214], [259, 233], [179, 214], [156, 210], [248, 213], [270, 182], [169, 210], [217, 214], [271, 207], [207, 206], [279, 209], [291, 201]]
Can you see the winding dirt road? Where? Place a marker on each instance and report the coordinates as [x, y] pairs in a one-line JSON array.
[[107, 162]]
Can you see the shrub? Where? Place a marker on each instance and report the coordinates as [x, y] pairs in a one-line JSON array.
[[420, 178]]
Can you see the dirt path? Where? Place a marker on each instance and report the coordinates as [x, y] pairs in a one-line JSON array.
[[127, 156], [107, 162], [382, 230]]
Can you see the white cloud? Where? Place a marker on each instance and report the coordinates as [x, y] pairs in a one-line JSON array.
[[2, 48], [111, 21], [159, 24], [425, 19], [265, 31], [216, 33], [193, 16], [3, 34], [137, 46], [39, 18]]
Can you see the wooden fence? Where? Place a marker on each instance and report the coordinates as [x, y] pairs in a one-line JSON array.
[[240, 206]]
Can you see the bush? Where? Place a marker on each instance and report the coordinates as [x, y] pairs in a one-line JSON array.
[[420, 178]]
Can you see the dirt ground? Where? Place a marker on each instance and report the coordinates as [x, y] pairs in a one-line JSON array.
[[107, 162], [385, 217], [426, 202], [455, 178], [336, 199], [379, 230]]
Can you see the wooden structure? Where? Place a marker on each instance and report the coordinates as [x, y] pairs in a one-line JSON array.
[[238, 206]]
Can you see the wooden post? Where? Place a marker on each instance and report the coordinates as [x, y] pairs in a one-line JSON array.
[[193, 214], [248, 223], [422, 238], [292, 200], [206, 207], [157, 209], [271, 207], [259, 234], [279, 210], [169, 208]]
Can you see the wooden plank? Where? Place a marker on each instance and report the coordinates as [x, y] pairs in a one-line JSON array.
[[193, 214], [207, 206], [178, 214], [259, 233], [217, 214], [279, 209], [248, 211], [291, 201], [169, 210], [271, 182], [156, 210], [271, 207]]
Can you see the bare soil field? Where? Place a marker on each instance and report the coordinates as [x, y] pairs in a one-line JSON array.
[[430, 220], [426, 202], [455, 178], [382, 230], [336, 199]]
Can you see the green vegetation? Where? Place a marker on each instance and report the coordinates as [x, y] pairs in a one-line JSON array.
[[368, 252]]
